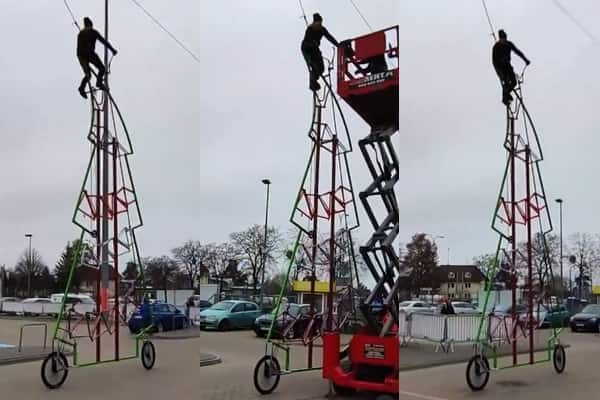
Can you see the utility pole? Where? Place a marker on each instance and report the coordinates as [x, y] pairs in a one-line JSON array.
[[264, 247], [29, 265], [560, 203]]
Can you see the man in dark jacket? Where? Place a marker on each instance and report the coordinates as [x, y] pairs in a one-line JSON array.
[[312, 53], [501, 60], [86, 54]]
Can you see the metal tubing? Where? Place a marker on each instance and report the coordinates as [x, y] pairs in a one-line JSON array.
[[332, 201], [315, 240], [513, 157], [115, 151], [529, 252]]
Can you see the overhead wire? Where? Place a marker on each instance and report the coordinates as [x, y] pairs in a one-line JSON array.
[[160, 25], [489, 20], [566, 12], [303, 12], [72, 14], [361, 15]]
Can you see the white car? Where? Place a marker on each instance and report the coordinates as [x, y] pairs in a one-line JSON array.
[[416, 306], [34, 300], [462, 307]]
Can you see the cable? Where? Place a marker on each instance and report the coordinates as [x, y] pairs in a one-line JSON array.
[[487, 14], [157, 22], [303, 12], [361, 15], [72, 15], [574, 20]]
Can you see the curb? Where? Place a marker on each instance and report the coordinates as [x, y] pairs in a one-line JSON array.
[[209, 359]]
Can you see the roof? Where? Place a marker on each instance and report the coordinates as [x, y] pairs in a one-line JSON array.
[[458, 273]]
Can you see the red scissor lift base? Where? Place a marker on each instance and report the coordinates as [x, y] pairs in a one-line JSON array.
[[373, 365], [373, 94]]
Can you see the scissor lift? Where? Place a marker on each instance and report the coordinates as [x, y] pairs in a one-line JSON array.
[[368, 76]]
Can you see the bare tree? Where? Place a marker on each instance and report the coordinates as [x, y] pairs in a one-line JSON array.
[[545, 250], [586, 250], [219, 261], [161, 271], [191, 256], [30, 269], [255, 253]]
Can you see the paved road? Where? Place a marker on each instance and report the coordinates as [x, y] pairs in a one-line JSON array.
[[177, 376], [580, 381]]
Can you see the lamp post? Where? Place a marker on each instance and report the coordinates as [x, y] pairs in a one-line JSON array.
[[29, 236], [267, 183], [560, 203], [440, 237]]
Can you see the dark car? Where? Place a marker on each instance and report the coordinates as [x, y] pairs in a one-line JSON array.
[[586, 320], [164, 317], [204, 304], [287, 314]]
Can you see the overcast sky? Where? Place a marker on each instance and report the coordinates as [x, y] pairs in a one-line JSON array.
[[204, 134], [44, 122], [255, 106], [452, 123]]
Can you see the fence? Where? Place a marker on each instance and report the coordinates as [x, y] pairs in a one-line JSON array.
[[12, 307], [444, 330]]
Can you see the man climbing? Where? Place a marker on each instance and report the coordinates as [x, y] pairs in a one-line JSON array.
[[86, 53], [312, 53], [501, 60]]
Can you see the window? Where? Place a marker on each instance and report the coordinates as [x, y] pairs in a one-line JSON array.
[[172, 308], [250, 307], [467, 285], [451, 275], [238, 308], [452, 285], [467, 275]]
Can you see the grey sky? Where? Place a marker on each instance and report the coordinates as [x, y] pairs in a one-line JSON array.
[[204, 135], [44, 122], [452, 122], [255, 106]]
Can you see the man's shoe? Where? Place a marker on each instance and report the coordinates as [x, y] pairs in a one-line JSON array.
[[82, 92]]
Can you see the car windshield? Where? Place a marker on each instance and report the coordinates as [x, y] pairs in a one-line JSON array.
[[406, 304], [591, 309], [223, 305]]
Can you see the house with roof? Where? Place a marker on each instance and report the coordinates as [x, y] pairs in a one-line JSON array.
[[459, 282]]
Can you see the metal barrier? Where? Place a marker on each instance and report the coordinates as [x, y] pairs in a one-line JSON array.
[[31, 325], [18, 308], [444, 330]]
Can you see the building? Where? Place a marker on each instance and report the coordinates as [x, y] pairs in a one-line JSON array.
[[459, 282]]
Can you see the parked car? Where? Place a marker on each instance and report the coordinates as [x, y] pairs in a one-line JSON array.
[[204, 304], [164, 317], [462, 307], [72, 298], [34, 300], [556, 317], [539, 313], [229, 314], [286, 315], [586, 320], [410, 307]]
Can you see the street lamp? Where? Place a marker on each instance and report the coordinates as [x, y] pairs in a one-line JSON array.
[[440, 237], [562, 283], [29, 236], [267, 183]]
